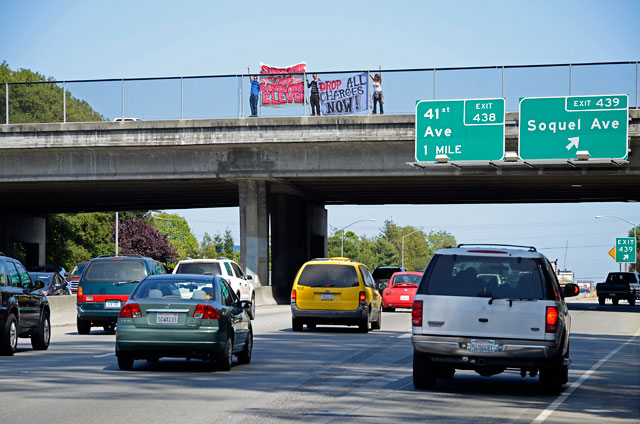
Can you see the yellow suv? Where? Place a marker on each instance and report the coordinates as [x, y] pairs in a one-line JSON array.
[[335, 291]]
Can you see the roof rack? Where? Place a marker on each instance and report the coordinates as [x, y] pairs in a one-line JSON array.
[[133, 255], [529, 248]]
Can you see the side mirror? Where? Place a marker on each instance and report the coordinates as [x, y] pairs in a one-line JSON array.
[[571, 290], [39, 284], [248, 277], [244, 304], [382, 286]]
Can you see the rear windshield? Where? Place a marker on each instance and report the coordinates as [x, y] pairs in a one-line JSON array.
[[114, 271], [45, 278], [174, 289], [622, 277], [329, 276], [212, 268], [384, 273], [481, 276], [406, 279]]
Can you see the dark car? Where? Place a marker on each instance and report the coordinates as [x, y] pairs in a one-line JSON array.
[[105, 285], [74, 277], [184, 316], [54, 283], [24, 309], [49, 268], [382, 274]]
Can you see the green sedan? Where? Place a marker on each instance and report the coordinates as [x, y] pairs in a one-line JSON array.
[[184, 316]]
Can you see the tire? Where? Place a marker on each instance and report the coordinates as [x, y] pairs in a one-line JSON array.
[[84, 326], [552, 377], [244, 357], [615, 300], [601, 300], [632, 301], [363, 325], [424, 376], [125, 362], [41, 336], [376, 325], [224, 362], [296, 324], [9, 341], [252, 311]]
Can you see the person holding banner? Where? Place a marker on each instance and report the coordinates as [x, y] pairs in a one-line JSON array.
[[378, 97], [255, 92], [314, 98]]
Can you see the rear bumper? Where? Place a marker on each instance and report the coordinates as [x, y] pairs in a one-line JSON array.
[[392, 303], [509, 353], [329, 316], [92, 314]]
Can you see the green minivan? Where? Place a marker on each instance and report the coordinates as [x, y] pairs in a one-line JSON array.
[[105, 285]]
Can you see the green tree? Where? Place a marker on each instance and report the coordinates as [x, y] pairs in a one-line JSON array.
[[178, 232], [41, 101], [219, 245]]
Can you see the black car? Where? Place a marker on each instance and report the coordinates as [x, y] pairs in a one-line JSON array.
[[24, 309], [381, 275], [54, 283]]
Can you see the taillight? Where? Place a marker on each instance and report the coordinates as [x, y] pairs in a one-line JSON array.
[[551, 324], [293, 296], [80, 296], [130, 310], [206, 312], [416, 313], [363, 298]]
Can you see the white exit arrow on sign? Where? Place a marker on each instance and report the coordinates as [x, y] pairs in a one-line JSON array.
[[574, 142]]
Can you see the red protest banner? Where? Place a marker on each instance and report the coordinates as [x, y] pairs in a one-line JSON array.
[[282, 86]]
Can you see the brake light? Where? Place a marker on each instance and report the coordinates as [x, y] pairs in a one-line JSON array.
[[130, 310], [80, 296], [294, 296], [551, 324], [206, 312], [416, 313], [363, 298]]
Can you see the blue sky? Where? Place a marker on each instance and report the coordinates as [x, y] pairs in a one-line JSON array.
[[70, 40]]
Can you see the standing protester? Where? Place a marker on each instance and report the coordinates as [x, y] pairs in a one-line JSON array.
[[255, 91], [378, 97], [314, 99]]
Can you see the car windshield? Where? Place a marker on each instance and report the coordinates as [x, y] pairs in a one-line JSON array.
[[481, 276], [113, 271], [316, 275], [211, 268], [174, 289], [384, 273], [77, 270], [407, 279]]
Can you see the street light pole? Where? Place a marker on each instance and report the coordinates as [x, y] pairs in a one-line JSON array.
[[406, 235], [342, 235]]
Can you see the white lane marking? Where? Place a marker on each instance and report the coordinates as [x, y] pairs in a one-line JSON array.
[[404, 336], [106, 354], [556, 403]]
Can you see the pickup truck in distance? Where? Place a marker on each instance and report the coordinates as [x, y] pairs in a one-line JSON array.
[[619, 285]]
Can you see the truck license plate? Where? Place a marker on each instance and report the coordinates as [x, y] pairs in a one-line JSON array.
[[487, 346]]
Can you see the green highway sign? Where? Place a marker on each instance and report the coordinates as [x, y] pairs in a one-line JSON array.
[[463, 130], [559, 127], [625, 249]]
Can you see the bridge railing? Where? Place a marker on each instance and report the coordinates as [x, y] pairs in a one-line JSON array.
[[227, 96]]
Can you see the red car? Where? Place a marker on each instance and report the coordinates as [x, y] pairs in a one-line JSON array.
[[402, 288]]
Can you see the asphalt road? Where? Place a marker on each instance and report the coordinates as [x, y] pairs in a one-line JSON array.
[[332, 374]]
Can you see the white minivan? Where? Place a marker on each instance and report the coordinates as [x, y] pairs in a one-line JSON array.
[[491, 308]]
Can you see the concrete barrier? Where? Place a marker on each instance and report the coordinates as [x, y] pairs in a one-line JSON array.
[[63, 309], [264, 296]]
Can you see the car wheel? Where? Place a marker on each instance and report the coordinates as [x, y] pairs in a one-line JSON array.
[[424, 376], [551, 378], [376, 325], [244, 357], [363, 325], [125, 362], [252, 311], [601, 300], [632, 301], [615, 300], [9, 341], [224, 362], [84, 326], [296, 324], [42, 334]]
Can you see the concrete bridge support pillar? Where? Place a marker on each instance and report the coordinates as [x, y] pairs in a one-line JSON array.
[[298, 233], [23, 236], [254, 230]]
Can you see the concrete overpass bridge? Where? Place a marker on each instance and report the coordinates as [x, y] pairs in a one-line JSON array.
[[280, 171]]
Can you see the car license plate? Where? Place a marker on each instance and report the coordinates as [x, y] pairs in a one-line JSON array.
[[326, 296], [404, 297], [111, 303], [612, 295], [488, 346], [166, 318]]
